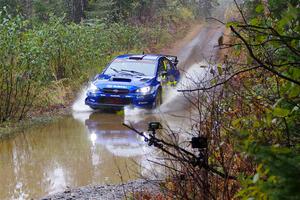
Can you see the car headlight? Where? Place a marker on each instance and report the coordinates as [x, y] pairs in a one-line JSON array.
[[144, 90], [93, 88]]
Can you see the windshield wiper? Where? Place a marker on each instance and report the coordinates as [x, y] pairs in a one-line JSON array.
[[133, 72]]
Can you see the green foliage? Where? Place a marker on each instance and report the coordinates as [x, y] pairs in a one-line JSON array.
[[268, 130], [277, 177], [43, 9], [36, 56], [13, 6], [108, 11], [135, 10]]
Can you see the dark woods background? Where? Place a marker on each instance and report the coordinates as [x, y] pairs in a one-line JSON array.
[[111, 10]]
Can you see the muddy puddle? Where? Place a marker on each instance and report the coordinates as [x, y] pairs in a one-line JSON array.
[[87, 148]]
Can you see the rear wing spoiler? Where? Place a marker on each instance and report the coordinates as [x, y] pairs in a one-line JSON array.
[[173, 59]]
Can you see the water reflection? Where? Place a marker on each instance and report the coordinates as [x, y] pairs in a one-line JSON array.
[[118, 140], [87, 149]]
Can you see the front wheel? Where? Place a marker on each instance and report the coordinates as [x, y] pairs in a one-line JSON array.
[[94, 108], [158, 99]]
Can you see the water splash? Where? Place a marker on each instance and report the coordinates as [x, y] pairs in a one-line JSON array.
[[79, 105], [176, 101], [81, 112]]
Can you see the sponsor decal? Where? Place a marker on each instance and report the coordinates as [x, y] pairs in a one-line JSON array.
[[117, 86]]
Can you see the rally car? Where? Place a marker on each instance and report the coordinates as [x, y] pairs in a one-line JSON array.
[[133, 80]]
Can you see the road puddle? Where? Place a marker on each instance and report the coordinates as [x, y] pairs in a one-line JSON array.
[[89, 148]]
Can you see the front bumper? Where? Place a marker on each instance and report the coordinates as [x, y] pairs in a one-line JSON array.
[[101, 100]]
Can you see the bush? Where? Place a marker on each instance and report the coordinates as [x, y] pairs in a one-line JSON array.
[[36, 55]]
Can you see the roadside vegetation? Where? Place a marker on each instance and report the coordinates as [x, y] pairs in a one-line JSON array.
[[248, 113], [50, 48]]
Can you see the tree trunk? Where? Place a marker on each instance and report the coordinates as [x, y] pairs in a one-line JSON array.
[[78, 8], [84, 4], [27, 7]]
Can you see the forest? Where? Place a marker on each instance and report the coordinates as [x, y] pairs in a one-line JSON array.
[[249, 113], [48, 48]]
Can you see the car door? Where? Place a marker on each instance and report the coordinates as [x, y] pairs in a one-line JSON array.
[[172, 72]]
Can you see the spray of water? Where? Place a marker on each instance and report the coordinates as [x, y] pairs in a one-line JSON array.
[[176, 101], [81, 112], [79, 105]]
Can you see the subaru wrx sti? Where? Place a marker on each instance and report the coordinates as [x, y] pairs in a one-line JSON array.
[[133, 80]]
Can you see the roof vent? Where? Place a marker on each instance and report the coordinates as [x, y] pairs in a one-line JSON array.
[[137, 57]]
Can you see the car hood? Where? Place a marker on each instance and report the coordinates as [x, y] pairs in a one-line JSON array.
[[122, 82]]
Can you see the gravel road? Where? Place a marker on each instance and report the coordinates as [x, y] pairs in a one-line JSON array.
[[105, 192]]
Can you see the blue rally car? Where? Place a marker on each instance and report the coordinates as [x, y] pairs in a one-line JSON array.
[[136, 80]]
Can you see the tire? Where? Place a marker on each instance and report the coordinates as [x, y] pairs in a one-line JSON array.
[[158, 99], [94, 108]]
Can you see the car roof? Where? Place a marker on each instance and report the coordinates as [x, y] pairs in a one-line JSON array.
[[153, 57]]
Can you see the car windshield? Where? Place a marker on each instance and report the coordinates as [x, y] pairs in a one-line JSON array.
[[133, 67]]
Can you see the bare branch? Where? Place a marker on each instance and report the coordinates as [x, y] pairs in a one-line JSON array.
[[240, 11], [261, 62], [215, 19], [190, 161]]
